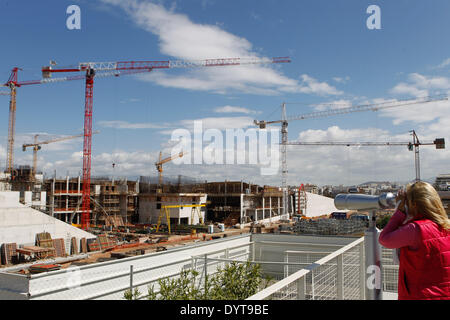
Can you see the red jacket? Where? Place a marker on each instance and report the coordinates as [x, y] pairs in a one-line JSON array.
[[425, 273]]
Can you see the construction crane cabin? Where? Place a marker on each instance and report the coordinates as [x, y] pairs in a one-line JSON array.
[[332, 112], [90, 70]]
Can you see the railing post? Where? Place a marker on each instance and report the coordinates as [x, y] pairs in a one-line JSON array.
[[340, 277], [131, 279], [362, 272], [286, 266], [312, 284], [205, 269], [373, 266], [253, 251], [301, 288]]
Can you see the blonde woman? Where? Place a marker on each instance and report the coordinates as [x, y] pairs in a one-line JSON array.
[[420, 227]]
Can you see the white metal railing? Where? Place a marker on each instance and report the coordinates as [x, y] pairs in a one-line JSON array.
[[339, 275], [310, 271], [389, 270]]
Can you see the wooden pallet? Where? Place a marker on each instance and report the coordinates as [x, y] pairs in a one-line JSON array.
[[74, 246], [9, 253], [60, 247]]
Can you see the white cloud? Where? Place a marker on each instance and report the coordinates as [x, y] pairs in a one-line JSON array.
[[220, 123], [311, 85], [357, 164], [119, 124], [341, 79], [234, 109], [126, 164], [420, 113], [419, 85], [182, 38], [336, 104], [408, 89], [336, 134], [444, 63]]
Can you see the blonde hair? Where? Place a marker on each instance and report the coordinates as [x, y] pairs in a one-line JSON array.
[[428, 203]]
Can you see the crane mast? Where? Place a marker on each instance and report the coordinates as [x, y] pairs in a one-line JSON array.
[[11, 131], [12, 84]]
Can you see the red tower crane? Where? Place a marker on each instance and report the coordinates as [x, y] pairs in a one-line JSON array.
[[89, 70]]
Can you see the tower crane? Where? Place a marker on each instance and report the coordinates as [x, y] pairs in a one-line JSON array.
[[37, 146], [88, 71], [438, 142], [159, 165], [332, 112]]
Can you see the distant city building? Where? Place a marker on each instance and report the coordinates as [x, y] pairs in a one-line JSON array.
[[442, 182]]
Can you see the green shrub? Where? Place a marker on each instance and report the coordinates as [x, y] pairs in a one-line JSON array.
[[235, 281]]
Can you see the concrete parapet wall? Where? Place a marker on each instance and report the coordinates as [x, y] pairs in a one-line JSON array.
[[20, 224], [109, 280]]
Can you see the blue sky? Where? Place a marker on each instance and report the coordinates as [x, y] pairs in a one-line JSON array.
[[335, 59]]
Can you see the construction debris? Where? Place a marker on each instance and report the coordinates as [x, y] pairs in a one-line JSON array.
[[39, 268]]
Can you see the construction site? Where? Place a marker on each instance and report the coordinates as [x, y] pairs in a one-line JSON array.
[[51, 225]]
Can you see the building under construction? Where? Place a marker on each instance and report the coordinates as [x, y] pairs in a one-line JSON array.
[[178, 201], [108, 199], [238, 202]]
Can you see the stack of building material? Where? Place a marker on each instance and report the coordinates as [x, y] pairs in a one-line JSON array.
[[83, 246], [60, 247], [38, 268], [94, 245], [106, 242], [9, 253], [114, 221], [74, 246], [44, 240], [36, 252]]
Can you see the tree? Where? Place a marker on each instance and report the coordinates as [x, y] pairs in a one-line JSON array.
[[382, 221]]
